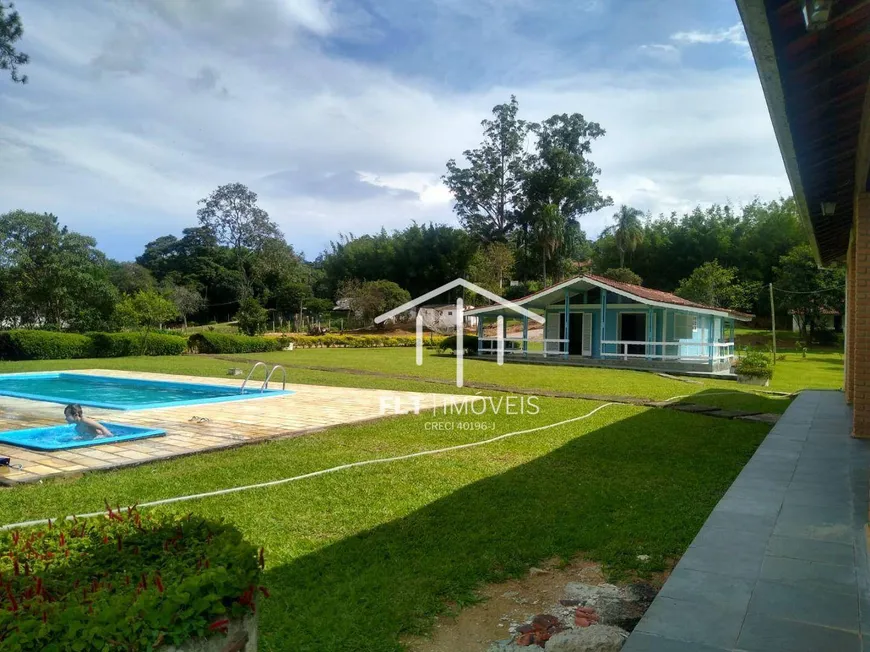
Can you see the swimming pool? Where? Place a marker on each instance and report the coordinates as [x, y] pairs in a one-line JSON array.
[[55, 438], [121, 393]]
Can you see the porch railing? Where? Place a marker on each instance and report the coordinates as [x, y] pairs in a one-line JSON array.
[[686, 351], [514, 346]]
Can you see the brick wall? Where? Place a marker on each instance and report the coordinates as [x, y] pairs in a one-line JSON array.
[[848, 323], [859, 360]]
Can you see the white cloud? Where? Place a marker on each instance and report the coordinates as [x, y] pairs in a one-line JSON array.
[[664, 52], [332, 145], [733, 35]]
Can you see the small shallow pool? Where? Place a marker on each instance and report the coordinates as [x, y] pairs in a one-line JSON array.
[[55, 438], [121, 393]]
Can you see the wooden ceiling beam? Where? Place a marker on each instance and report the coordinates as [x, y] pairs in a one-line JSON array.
[[813, 61], [807, 90]]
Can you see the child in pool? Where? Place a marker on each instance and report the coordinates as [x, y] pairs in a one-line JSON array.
[[84, 425]]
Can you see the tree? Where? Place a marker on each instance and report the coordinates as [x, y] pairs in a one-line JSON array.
[[628, 231], [145, 310], [187, 301], [11, 31], [491, 265], [372, 298], [252, 317], [54, 276], [718, 286], [129, 278], [420, 257], [808, 291], [560, 173], [232, 215], [290, 297], [549, 233], [488, 192], [623, 275], [318, 307]]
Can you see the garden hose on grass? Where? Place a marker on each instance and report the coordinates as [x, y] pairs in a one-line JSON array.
[[314, 474], [350, 465]]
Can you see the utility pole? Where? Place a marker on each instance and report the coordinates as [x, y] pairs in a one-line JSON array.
[[773, 323]]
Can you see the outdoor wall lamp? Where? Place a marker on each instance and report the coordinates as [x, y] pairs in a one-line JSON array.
[[828, 208], [816, 13]]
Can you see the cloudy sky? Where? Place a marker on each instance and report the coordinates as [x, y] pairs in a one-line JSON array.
[[341, 114]]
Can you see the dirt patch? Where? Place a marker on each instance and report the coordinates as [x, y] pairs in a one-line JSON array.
[[514, 601]]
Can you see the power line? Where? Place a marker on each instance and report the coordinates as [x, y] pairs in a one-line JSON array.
[[809, 291]]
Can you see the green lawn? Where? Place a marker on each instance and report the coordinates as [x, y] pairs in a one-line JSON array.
[[359, 558], [374, 553], [396, 368]]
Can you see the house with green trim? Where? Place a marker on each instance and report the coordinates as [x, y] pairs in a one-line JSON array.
[[596, 321]]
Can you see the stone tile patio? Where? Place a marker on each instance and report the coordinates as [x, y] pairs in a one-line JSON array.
[[781, 563], [229, 424]]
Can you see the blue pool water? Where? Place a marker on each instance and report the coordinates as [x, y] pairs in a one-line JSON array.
[[54, 438], [120, 393]]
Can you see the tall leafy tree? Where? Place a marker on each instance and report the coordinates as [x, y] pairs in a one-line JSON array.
[[55, 277], [628, 231], [129, 278], [491, 265], [11, 30], [488, 191], [549, 232], [561, 174], [807, 290], [231, 213], [718, 286]]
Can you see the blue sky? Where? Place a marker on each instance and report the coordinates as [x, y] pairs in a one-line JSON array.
[[341, 114]]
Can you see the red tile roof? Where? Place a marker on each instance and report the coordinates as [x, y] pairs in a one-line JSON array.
[[659, 296]]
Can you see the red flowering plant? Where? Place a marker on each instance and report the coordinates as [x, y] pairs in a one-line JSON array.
[[127, 581]]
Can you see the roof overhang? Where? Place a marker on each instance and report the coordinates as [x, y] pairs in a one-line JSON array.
[[556, 295], [815, 83]]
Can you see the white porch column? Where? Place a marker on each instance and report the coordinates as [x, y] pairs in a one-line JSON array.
[[526, 335], [664, 331], [567, 321]]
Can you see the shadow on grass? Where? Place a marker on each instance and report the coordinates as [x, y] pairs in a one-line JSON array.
[[742, 399], [642, 485]]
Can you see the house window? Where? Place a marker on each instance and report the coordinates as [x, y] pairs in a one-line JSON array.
[[449, 313], [684, 326]]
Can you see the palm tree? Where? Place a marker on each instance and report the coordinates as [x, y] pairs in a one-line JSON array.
[[628, 231], [549, 231]]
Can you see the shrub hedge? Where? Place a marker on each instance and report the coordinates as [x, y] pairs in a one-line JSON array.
[[119, 345], [357, 341], [210, 342], [130, 581], [42, 345], [469, 344], [53, 345]]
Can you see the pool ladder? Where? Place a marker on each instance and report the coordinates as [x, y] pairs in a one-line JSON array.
[[265, 384]]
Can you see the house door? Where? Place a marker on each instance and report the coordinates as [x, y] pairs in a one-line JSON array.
[[575, 334], [632, 328]]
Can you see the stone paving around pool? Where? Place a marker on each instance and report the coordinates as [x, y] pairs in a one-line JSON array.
[[230, 424]]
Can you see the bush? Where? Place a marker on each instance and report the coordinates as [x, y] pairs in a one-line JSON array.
[[357, 341], [755, 364], [130, 581], [827, 337], [222, 343], [42, 345], [117, 345], [252, 317], [469, 344]]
